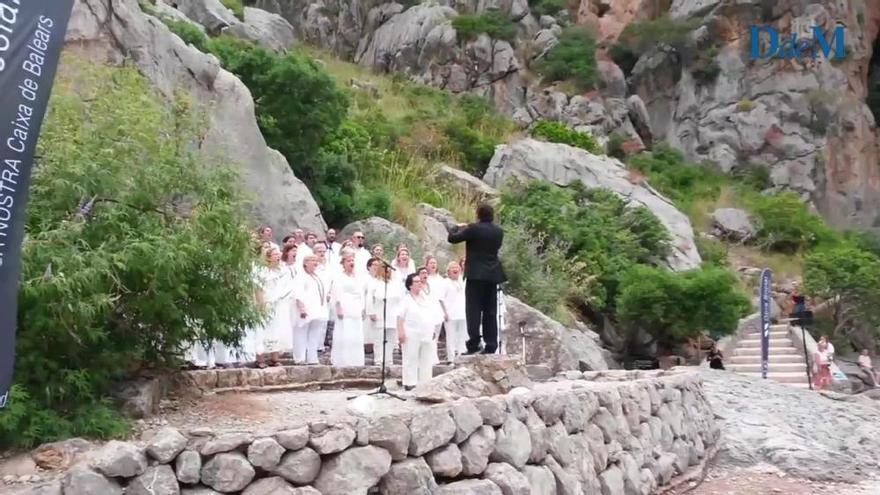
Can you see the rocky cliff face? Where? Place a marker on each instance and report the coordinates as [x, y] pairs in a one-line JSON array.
[[113, 30], [804, 119]]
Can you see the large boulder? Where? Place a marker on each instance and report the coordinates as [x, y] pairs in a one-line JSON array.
[[434, 224], [209, 13], [264, 28], [550, 342], [389, 234], [562, 164], [467, 183], [122, 32], [458, 383], [732, 224], [354, 471]]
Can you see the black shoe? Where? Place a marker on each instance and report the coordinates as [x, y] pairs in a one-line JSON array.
[[487, 351], [471, 352], [409, 387]]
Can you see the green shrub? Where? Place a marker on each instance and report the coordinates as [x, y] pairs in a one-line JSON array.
[[596, 225], [474, 149], [547, 7], [753, 176], [849, 276], [572, 59], [682, 182], [235, 6], [673, 307], [785, 223], [639, 37], [713, 252], [494, 23], [557, 132], [539, 271], [160, 258], [614, 148], [188, 32]]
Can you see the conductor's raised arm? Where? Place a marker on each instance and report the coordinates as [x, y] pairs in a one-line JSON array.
[[460, 233]]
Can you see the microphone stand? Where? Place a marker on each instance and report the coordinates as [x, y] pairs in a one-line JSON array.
[[382, 389]]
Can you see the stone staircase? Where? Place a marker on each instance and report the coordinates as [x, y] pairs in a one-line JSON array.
[[786, 360]]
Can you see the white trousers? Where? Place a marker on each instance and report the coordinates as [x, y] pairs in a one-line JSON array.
[[348, 342], [307, 339], [456, 338], [418, 361], [208, 357], [391, 336]]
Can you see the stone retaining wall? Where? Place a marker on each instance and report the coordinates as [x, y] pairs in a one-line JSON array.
[[615, 433]]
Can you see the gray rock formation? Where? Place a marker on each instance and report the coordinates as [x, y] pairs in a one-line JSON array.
[[430, 429], [466, 182], [300, 467], [188, 467], [380, 231], [264, 28], [209, 13], [549, 342], [445, 461], [119, 459], [561, 164], [458, 383], [353, 471], [278, 198], [805, 121], [228, 472], [732, 224], [83, 481], [270, 486], [408, 477], [470, 487], [156, 480], [166, 444], [265, 453]]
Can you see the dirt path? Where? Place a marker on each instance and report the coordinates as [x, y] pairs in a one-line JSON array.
[[768, 480]]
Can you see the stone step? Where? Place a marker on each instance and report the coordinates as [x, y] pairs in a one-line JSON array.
[[773, 367], [756, 358], [756, 351], [757, 343], [782, 377], [778, 334]]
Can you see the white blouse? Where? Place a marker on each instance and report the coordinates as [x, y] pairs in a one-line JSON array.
[[350, 292], [311, 291], [376, 296], [453, 299], [418, 323], [277, 284]]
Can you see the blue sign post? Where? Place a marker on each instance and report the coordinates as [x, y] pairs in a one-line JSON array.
[[766, 275]]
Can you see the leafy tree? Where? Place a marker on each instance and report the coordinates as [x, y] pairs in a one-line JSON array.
[[494, 23], [682, 182], [557, 132], [135, 248], [785, 223], [599, 229], [850, 278], [547, 7], [673, 307], [572, 59]]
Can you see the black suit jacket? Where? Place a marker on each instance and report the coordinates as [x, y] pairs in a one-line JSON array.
[[483, 242]]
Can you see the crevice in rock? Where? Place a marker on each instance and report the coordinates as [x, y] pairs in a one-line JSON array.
[[873, 97]]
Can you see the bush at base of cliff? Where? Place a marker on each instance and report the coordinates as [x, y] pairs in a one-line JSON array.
[[494, 23], [547, 7], [572, 59], [674, 307], [849, 276], [236, 7], [597, 228], [135, 248], [557, 132], [786, 224]]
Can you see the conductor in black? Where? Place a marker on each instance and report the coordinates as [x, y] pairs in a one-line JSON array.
[[483, 273]]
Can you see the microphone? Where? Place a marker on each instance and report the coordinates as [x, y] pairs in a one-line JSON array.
[[387, 264]]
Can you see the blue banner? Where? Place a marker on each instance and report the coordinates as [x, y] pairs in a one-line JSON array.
[[765, 321], [31, 38]]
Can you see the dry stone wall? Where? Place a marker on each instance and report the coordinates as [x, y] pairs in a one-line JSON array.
[[608, 432]]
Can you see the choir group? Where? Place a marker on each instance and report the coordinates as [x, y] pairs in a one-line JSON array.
[[308, 286]]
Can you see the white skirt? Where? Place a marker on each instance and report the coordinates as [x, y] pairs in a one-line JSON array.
[[278, 332], [348, 342]]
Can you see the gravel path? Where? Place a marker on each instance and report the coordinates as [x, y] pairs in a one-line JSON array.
[[802, 432], [769, 480]]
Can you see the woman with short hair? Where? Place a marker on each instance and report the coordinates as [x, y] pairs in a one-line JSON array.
[[454, 302], [311, 306], [415, 330], [348, 297], [377, 251]]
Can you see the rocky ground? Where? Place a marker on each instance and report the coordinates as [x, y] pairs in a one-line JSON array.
[[768, 480], [803, 433]]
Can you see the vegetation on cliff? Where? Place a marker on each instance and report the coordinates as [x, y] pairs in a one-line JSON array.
[[135, 248]]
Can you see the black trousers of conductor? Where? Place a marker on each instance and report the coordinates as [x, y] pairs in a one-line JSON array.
[[481, 306]]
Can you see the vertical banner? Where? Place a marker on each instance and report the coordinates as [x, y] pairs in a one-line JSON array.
[[31, 38], [765, 321]]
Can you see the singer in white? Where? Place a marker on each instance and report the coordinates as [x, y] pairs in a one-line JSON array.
[[348, 298]]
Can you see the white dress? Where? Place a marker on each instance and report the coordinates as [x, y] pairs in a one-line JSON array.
[[349, 291], [278, 294]]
